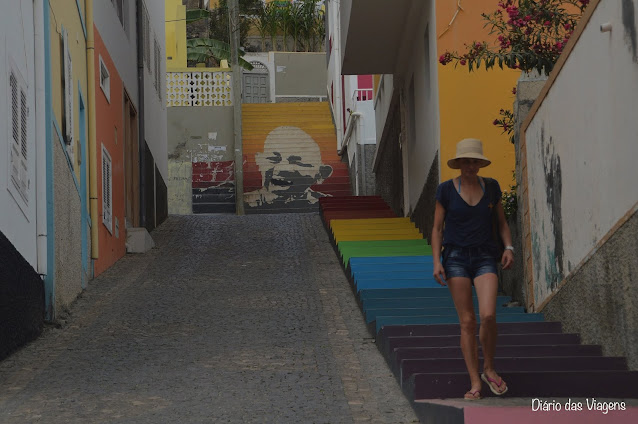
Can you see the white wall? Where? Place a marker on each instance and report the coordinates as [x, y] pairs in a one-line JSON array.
[[334, 66], [17, 217], [121, 43], [424, 144], [582, 147], [154, 106]]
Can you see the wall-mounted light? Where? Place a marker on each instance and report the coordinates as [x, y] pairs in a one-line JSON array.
[[606, 27]]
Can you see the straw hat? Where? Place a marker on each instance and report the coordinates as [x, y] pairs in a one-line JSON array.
[[471, 148]]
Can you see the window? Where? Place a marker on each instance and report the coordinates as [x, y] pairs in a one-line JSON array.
[[105, 80], [18, 137], [68, 89], [107, 196], [146, 37], [119, 9], [158, 66]]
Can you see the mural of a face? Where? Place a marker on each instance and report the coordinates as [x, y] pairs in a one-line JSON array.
[[290, 164]]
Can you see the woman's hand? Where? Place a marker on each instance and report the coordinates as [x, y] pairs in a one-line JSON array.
[[507, 260], [439, 273]]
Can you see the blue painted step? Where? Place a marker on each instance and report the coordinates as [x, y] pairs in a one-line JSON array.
[[414, 267], [397, 284], [393, 260], [420, 302], [396, 275], [387, 293], [372, 314], [382, 321], [455, 329]]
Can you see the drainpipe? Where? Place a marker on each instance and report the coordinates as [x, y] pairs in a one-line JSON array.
[[40, 134], [139, 7], [90, 105]]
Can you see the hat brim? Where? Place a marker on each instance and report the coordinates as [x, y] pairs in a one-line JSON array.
[[454, 162]]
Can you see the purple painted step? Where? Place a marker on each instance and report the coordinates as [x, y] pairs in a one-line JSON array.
[[503, 340], [517, 364], [454, 352], [515, 350], [455, 330], [584, 384]]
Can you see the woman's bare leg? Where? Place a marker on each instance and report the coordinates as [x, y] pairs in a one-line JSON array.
[[486, 290], [461, 290]]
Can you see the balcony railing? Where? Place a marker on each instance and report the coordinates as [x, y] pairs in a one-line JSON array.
[[362, 95]]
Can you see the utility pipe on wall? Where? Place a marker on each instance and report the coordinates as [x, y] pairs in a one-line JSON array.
[[139, 7], [40, 136], [90, 70]]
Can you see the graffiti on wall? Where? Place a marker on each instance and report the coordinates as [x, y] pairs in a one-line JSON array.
[[287, 173], [213, 187]]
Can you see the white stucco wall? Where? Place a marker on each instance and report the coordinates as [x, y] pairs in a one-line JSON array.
[[582, 146], [154, 106], [17, 217], [424, 144], [120, 42]]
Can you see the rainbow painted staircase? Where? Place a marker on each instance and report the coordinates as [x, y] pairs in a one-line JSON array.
[[413, 319], [290, 157]]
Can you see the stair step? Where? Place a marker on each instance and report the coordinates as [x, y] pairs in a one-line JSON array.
[[451, 319], [420, 302], [200, 208], [455, 330], [371, 314], [400, 293], [399, 354], [392, 343], [503, 364], [547, 384]]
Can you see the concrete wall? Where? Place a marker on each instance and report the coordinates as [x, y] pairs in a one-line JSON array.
[[420, 102], [109, 128], [68, 237], [120, 41], [300, 75], [470, 101], [580, 149], [600, 301], [195, 135], [68, 240], [155, 116], [17, 214], [388, 166], [22, 294]]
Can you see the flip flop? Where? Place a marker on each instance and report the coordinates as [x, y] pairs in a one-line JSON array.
[[473, 395], [498, 384]]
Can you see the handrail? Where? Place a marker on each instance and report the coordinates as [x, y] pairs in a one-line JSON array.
[[347, 136]]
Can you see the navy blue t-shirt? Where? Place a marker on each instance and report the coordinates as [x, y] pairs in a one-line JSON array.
[[465, 225]]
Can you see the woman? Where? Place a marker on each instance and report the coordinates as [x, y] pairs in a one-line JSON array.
[[466, 205]]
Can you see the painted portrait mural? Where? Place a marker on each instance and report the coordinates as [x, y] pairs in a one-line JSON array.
[[290, 170]]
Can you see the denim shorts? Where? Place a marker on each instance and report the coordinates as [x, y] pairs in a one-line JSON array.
[[469, 262]]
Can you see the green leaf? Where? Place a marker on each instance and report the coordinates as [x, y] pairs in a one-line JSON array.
[[195, 15]]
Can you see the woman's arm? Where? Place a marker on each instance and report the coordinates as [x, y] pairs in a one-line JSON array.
[[436, 241], [504, 231]]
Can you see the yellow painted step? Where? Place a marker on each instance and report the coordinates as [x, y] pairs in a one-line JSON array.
[[378, 237], [368, 221]]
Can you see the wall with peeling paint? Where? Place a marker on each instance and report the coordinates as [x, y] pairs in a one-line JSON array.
[[581, 149], [200, 141]]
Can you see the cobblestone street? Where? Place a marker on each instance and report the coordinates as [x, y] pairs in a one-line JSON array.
[[229, 319]]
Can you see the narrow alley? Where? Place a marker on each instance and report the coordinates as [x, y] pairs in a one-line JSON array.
[[229, 319]]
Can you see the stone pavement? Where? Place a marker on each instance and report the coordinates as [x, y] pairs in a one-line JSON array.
[[229, 320]]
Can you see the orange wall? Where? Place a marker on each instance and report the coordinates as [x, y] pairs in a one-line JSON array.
[[109, 118], [470, 101]]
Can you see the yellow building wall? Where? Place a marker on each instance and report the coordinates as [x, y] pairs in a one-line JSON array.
[[176, 54], [470, 101], [65, 15]]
